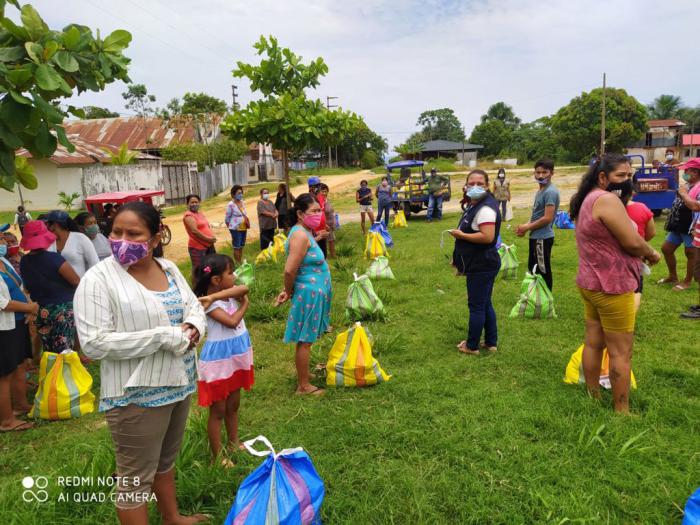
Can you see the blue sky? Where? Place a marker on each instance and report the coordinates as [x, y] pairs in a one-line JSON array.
[[391, 60]]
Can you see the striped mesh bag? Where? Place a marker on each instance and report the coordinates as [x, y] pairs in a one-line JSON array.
[[350, 361], [379, 269], [536, 300], [509, 261], [363, 302]]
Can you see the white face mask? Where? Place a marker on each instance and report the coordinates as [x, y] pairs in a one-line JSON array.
[[265, 196], [669, 157]]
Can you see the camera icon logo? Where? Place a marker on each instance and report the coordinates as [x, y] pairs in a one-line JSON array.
[[34, 489]]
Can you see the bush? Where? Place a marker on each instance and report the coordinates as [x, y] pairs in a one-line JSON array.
[[369, 159]]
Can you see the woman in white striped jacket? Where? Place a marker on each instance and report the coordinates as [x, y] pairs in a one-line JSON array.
[[138, 316]]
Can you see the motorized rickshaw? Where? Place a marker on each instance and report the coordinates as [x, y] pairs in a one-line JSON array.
[[655, 186], [97, 204], [411, 189]]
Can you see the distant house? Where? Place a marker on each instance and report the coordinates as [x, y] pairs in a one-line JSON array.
[[661, 135], [462, 151], [691, 146]]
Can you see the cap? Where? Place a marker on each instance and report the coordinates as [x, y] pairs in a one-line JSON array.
[[692, 164], [4, 227], [313, 181], [58, 216], [36, 236]]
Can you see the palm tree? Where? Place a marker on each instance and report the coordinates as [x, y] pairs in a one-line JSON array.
[[67, 200], [122, 157], [410, 148], [503, 112], [665, 107]]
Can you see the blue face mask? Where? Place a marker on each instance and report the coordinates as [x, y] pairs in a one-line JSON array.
[[476, 193], [239, 196], [3, 250]]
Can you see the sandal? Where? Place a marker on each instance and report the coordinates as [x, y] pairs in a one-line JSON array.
[[462, 347], [666, 280], [315, 392], [19, 427], [489, 348], [680, 287]]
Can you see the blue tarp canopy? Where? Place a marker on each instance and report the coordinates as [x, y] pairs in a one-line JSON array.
[[404, 164]]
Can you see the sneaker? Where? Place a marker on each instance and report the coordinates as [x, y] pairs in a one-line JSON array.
[[692, 314], [694, 308]]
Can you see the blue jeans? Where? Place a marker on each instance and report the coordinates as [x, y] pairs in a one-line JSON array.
[[482, 316], [384, 209], [434, 202]]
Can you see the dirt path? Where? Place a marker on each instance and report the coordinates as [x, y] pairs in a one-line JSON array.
[[177, 249], [522, 188]]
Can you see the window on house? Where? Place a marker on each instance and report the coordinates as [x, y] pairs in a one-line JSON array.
[[648, 139]]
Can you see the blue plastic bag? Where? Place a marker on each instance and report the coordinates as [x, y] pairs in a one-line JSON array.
[[691, 514], [563, 221], [379, 227], [284, 490]]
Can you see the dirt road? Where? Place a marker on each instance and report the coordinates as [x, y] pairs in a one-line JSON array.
[[177, 249]]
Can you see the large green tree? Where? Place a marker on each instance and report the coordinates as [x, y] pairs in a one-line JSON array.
[[356, 142], [665, 107], [534, 140], [577, 125], [503, 112], [285, 117], [139, 100], [440, 124], [38, 67], [494, 135]]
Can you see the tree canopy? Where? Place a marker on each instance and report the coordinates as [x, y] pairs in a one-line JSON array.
[[440, 124], [94, 112], [138, 100], [38, 66], [577, 125], [495, 132], [665, 107], [285, 117], [503, 112]]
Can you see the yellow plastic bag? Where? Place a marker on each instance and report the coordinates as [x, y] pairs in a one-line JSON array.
[[400, 220], [350, 361], [574, 370], [64, 388], [375, 246], [266, 255], [278, 245]]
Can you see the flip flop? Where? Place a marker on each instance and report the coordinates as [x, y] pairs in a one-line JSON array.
[[680, 287], [227, 463], [315, 392], [19, 427], [21, 412], [462, 348], [666, 280], [489, 348]]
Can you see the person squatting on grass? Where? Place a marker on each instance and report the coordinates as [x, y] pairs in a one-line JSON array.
[[363, 197], [609, 249], [225, 364], [16, 312], [139, 317], [691, 199], [475, 255], [237, 221], [544, 210], [679, 227], [307, 284]]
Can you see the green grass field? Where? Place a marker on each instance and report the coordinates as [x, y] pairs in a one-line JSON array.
[[450, 439]]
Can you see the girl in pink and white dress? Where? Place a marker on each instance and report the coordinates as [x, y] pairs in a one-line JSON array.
[[226, 362]]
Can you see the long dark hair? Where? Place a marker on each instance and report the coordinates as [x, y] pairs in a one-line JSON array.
[[302, 203], [82, 218], [607, 164], [211, 266], [146, 212]]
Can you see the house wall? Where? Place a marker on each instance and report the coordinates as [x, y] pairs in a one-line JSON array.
[[52, 179], [101, 178]]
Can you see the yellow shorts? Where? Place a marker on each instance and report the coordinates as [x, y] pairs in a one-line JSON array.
[[616, 312]]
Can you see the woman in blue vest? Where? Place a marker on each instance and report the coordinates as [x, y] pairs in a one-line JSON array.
[[475, 255]]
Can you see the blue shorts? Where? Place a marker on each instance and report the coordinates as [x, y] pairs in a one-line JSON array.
[[238, 238], [680, 238]]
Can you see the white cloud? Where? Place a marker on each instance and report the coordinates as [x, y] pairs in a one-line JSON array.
[[390, 60]]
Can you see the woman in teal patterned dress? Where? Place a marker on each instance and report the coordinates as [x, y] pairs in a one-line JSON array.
[[307, 284]]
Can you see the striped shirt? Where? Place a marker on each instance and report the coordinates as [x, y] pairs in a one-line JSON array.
[[128, 329], [149, 396]]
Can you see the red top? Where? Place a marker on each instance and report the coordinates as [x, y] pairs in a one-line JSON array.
[[202, 226], [322, 202], [641, 215], [603, 265]]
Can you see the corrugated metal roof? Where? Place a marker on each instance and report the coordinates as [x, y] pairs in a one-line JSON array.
[[86, 152], [140, 133], [448, 145], [665, 123]]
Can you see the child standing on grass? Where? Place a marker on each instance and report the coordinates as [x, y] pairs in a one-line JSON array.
[[226, 362]]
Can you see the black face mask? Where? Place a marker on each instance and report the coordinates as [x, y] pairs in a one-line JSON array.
[[621, 189]]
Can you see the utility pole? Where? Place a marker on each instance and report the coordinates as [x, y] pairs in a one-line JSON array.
[[602, 122], [234, 95], [328, 107]]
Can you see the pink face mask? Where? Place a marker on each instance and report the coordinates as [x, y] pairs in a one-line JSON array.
[[313, 220], [128, 252]]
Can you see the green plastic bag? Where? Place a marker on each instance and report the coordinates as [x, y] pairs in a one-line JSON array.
[[536, 300], [363, 302], [509, 261], [245, 273], [379, 269]]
